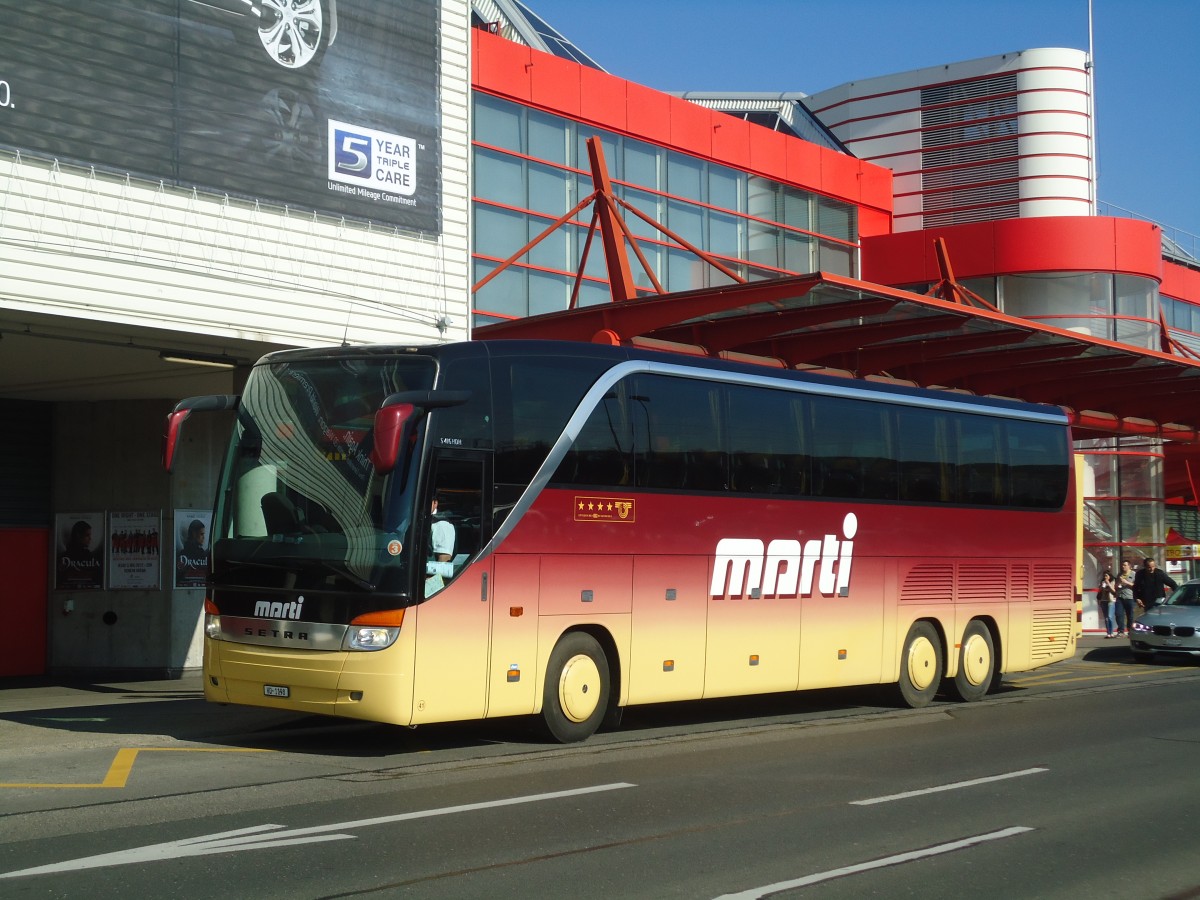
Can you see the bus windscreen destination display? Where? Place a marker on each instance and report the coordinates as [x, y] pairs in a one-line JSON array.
[[334, 109]]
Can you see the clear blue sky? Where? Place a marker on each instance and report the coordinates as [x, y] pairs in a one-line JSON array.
[[1147, 53]]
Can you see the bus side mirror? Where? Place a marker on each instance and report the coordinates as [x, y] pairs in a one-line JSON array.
[[396, 420], [393, 431], [173, 426]]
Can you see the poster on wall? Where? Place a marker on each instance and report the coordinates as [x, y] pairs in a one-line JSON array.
[[329, 105], [79, 551], [133, 550], [191, 547]]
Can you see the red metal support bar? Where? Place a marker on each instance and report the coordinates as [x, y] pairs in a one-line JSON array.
[[533, 243], [711, 260], [620, 276], [948, 288], [1168, 344]]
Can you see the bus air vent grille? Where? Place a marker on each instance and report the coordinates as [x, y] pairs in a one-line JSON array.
[[982, 583], [928, 584], [1051, 633]]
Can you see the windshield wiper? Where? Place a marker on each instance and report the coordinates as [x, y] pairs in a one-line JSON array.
[[344, 572], [299, 564]]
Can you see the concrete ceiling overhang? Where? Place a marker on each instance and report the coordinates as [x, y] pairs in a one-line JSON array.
[[871, 331], [58, 359]]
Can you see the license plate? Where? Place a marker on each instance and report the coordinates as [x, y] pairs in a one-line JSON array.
[[275, 690], [1172, 643]]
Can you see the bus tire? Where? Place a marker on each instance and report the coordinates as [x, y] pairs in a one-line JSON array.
[[921, 666], [577, 688], [976, 663]]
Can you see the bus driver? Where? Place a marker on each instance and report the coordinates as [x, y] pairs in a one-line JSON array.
[[441, 549]]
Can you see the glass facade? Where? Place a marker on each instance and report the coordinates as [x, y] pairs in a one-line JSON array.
[[1120, 308], [532, 167], [1181, 315], [1124, 513]]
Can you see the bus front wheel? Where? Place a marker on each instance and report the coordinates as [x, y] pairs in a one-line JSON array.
[[921, 666], [976, 663], [577, 688]]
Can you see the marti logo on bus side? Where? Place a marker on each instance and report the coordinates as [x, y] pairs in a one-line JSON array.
[[784, 567]]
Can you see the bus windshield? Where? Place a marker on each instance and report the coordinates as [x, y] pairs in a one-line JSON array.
[[299, 497]]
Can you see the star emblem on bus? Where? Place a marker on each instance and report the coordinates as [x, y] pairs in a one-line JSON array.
[[604, 509]]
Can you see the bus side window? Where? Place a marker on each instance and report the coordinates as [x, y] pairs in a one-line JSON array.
[[1036, 452], [982, 462], [457, 528], [766, 441], [926, 464], [601, 455], [677, 426], [852, 455]]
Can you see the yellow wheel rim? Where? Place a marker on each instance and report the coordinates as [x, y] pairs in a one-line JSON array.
[[976, 660], [922, 664], [579, 688]]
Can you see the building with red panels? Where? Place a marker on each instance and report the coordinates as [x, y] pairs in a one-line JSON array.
[[762, 202], [994, 157]]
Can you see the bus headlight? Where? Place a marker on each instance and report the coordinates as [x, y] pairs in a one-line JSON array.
[[212, 620], [374, 631], [370, 638]]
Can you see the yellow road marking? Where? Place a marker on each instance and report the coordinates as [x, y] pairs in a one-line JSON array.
[[122, 765], [1058, 676]]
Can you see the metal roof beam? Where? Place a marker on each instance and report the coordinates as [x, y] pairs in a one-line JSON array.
[[957, 370], [735, 333], [1016, 377], [906, 356]]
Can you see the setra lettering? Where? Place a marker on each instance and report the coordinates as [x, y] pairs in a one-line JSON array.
[[278, 635]]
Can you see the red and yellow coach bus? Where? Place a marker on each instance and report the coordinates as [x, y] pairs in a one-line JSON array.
[[475, 530]]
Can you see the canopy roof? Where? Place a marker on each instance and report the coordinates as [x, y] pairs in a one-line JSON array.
[[870, 331]]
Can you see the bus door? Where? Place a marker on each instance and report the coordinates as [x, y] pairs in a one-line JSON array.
[[450, 665]]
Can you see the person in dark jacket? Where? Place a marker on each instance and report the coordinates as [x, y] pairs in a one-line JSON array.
[[1150, 584]]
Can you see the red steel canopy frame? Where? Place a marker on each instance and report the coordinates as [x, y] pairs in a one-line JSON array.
[[863, 330]]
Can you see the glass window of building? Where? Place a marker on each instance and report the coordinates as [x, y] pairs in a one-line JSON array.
[[533, 166]]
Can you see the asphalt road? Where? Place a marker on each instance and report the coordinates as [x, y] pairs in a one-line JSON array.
[[1076, 781]]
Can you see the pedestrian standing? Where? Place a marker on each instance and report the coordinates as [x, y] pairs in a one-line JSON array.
[[1150, 584], [1125, 601], [1106, 596]]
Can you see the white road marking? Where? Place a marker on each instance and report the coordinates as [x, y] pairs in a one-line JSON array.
[[767, 890], [256, 837], [948, 787]]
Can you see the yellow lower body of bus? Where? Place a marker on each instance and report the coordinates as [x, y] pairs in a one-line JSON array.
[[363, 685]]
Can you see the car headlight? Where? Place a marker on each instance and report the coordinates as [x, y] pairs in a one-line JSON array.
[[1141, 628]]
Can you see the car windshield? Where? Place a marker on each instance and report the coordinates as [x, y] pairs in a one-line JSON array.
[[299, 493], [1186, 595]]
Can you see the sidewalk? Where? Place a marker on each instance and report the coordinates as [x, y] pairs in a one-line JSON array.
[[31, 694]]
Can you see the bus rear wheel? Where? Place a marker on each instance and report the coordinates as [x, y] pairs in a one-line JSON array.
[[921, 666], [976, 663], [577, 689]]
